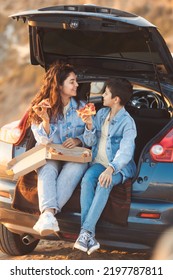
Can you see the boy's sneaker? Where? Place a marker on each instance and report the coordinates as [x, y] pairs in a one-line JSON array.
[[93, 245], [82, 241], [46, 224]]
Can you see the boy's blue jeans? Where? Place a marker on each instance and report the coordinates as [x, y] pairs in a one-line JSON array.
[[94, 197]]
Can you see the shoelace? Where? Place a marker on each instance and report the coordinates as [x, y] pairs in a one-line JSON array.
[[84, 237], [46, 218], [91, 241]]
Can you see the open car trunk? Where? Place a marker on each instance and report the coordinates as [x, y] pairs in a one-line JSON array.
[[149, 123], [98, 41]]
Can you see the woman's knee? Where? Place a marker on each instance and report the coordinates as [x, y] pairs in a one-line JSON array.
[[50, 168]]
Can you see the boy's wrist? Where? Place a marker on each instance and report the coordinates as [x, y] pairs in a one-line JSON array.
[[110, 169], [89, 126]]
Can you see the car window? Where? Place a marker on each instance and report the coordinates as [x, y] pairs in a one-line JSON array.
[[97, 88], [114, 45]]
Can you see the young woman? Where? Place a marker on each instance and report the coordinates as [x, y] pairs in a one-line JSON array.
[[112, 138], [54, 119]]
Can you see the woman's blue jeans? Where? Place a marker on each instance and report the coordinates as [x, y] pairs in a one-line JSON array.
[[57, 181], [94, 197]]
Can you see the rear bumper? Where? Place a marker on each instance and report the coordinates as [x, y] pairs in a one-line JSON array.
[[18, 222], [133, 237], [139, 234]]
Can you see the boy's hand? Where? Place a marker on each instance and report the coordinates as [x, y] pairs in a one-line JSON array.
[[88, 120], [105, 178]]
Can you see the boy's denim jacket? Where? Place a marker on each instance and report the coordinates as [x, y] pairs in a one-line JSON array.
[[69, 127], [120, 143]]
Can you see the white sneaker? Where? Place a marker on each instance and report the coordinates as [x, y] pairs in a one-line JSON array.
[[46, 224]]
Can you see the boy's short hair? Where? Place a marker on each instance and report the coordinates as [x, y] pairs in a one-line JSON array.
[[120, 87]]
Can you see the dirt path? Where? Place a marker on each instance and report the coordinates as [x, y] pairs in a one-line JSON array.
[[61, 250]]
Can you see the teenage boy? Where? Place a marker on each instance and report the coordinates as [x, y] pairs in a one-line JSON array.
[[111, 134]]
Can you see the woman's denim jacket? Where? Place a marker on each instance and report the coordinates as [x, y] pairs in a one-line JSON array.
[[120, 143], [69, 127]]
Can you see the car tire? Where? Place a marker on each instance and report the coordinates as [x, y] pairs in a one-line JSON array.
[[11, 243]]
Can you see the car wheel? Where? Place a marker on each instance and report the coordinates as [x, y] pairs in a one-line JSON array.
[[11, 243]]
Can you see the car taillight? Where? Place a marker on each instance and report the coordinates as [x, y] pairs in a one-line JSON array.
[[147, 215], [163, 151]]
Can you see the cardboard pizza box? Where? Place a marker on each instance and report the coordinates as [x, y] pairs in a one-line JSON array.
[[37, 156]]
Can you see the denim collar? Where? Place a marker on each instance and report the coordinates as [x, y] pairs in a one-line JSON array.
[[116, 117], [73, 106], [73, 103]]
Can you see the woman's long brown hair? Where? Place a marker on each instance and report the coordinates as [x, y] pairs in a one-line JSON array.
[[53, 79]]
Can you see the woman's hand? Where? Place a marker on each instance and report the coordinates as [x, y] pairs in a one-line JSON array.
[[88, 120], [71, 143], [41, 112], [105, 178]]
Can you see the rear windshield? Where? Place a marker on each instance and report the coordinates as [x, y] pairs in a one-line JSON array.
[[129, 45]]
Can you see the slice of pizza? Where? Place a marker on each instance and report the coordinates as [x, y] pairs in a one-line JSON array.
[[88, 110], [45, 103]]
